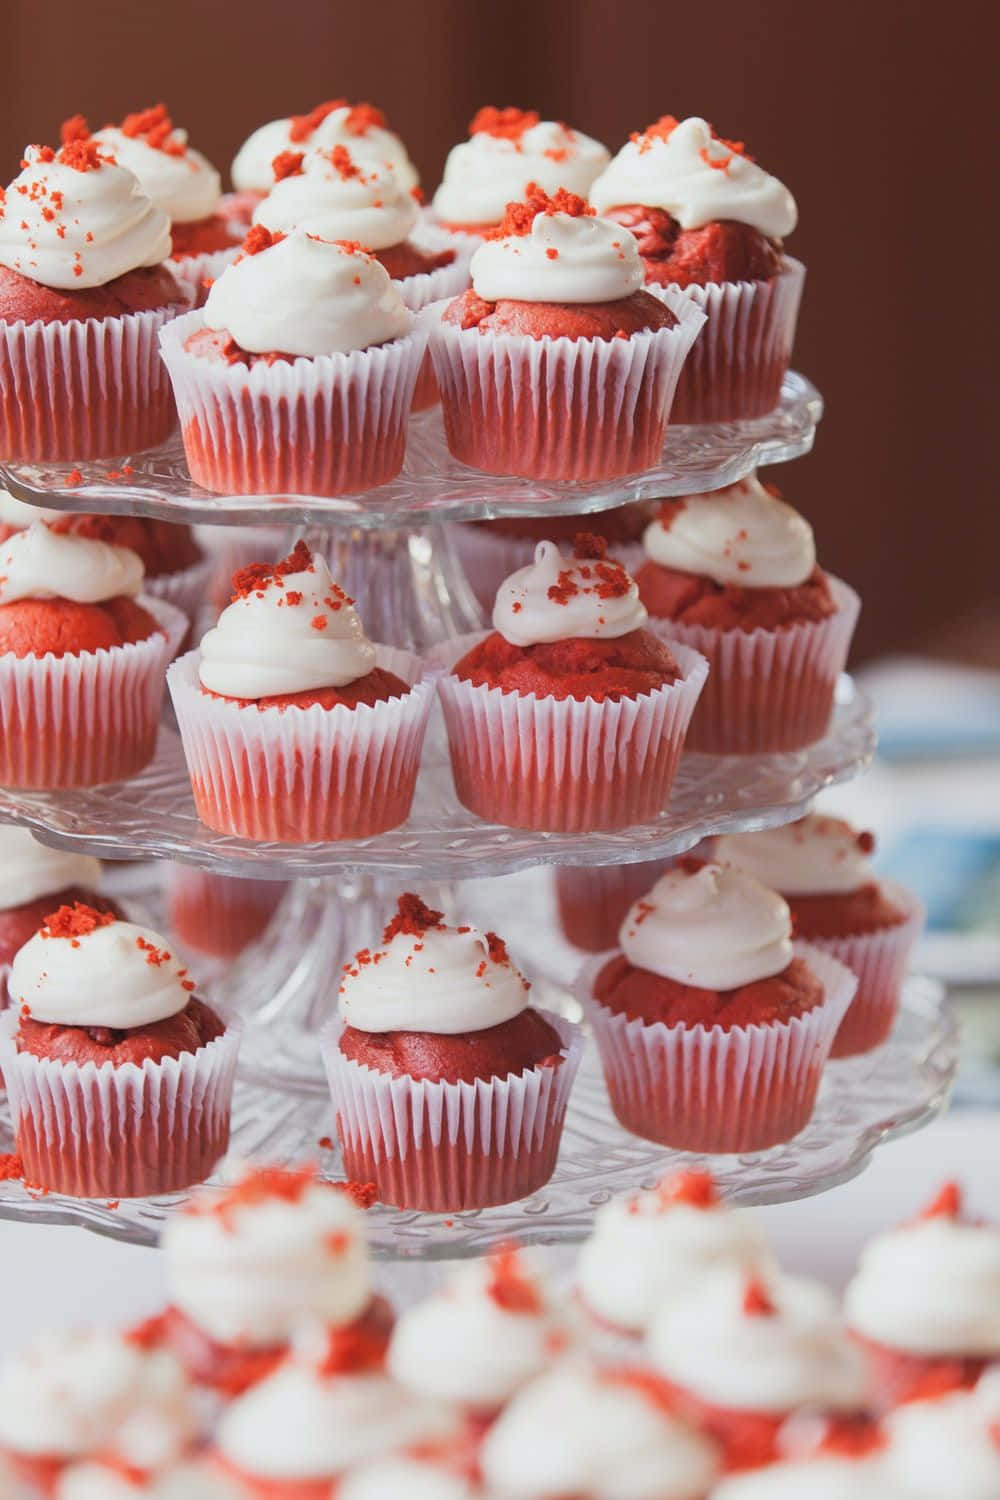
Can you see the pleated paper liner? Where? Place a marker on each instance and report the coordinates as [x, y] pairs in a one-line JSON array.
[[188, 590]]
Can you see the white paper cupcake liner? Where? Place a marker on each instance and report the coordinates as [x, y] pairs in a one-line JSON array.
[[445, 282], [445, 1147], [188, 590], [194, 271], [94, 1131], [562, 764], [559, 408], [332, 425], [303, 775], [90, 388], [706, 1089], [879, 960], [767, 690], [737, 365], [87, 719]]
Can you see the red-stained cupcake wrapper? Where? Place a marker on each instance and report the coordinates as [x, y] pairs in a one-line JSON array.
[[107, 1132], [196, 272], [445, 282], [303, 775], [560, 764], [333, 425], [737, 365], [767, 690], [880, 961], [188, 590], [706, 1089], [490, 557], [90, 388], [447, 1147], [569, 409], [88, 719]]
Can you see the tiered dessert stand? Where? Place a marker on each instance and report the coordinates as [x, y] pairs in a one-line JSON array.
[[392, 549]]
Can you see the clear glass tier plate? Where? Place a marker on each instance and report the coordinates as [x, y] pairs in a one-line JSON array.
[[154, 815], [863, 1102], [432, 486]]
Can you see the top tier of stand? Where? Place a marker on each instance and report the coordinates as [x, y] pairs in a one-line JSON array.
[[433, 486]]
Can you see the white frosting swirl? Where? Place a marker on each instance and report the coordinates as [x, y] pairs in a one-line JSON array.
[[412, 1478], [181, 182], [43, 564], [815, 1479], [564, 258], [577, 1432], [252, 1273], [740, 536], [646, 1248], [947, 1446], [21, 515], [119, 975], [712, 1344], [442, 980], [465, 1344], [93, 1391], [252, 169], [526, 613], [714, 928], [70, 229], [930, 1288], [486, 172], [307, 297], [696, 178], [269, 642], [194, 1481], [29, 870], [817, 855], [369, 207]]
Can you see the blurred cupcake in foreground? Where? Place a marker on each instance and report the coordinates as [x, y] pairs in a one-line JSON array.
[[709, 220], [844, 1459], [947, 1445]]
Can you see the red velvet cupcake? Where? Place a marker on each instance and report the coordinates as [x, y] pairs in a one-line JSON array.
[[120, 1078], [733, 574], [82, 661], [570, 715], [83, 294], [556, 364], [450, 1090], [295, 726], [713, 1030], [820, 865], [710, 223], [220, 915]]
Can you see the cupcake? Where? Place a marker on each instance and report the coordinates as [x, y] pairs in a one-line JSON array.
[[570, 715], [846, 1463], [734, 575], [220, 915], [507, 151], [711, 222], [417, 1477], [820, 865], [947, 1446], [82, 661], [592, 900], [449, 1088], [488, 1331], [925, 1302], [83, 294], [250, 1265], [646, 1248], [66, 1399], [741, 1352], [119, 1077], [713, 1030], [597, 1435], [298, 374], [556, 364], [295, 726]]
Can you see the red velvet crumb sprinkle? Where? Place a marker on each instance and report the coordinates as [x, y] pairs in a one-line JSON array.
[[696, 1189], [75, 922], [340, 159], [756, 1301], [156, 127], [413, 917], [947, 1204], [511, 1288], [84, 156], [509, 124], [261, 238], [520, 216], [74, 129], [257, 577], [287, 164]]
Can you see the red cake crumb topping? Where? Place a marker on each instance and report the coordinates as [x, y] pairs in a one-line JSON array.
[[360, 118], [263, 1185], [287, 164], [352, 1350], [11, 1168], [74, 129], [947, 1204], [340, 159], [510, 1287], [261, 238], [413, 917], [757, 1302], [257, 577], [75, 922], [156, 127], [520, 216], [82, 156], [661, 130], [363, 117], [497, 948], [696, 1189], [607, 578], [509, 124]]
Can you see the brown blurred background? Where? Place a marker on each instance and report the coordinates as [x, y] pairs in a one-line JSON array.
[[881, 117]]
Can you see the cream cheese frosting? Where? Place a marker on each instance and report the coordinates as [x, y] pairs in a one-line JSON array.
[[30, 870], [815, 1479], [556, 597], [270, 640], [412, 1478], [563, 258], [20, 515], [337, 199], [713, 928], [686, 169], [742, 536], [307, 297], [75, 226], [488, 171], [250, 1266], [175, 177], [117, 974], [948, 1446], [40, 563], [358, 127], [188, 1481], [817, 855]]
